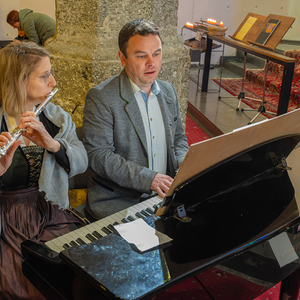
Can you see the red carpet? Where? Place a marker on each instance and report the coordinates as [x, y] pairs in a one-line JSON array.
[[193, 132], [192, 288], [234, 87]]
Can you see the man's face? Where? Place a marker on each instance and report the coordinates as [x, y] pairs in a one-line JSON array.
[[143, 62]]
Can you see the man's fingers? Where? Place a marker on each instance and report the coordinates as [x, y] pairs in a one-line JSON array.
[[160, 193], [161, 184], [164, 187], [168, 183]]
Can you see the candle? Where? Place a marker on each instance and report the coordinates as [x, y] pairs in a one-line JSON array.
[[211, 21], [188, 24], [221, 23]]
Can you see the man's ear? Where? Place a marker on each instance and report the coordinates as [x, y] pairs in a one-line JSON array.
[[122, 58]]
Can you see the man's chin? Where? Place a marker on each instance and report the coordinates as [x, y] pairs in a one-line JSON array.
[[150, 79]]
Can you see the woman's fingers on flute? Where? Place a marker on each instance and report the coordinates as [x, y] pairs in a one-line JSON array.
[[28, 121], [6, 160], [4, 138], [29, 113]]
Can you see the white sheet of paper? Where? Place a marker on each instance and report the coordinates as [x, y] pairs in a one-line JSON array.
[[142, 235], [283, 249]]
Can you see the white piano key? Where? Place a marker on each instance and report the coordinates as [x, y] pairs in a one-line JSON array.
[[53, 246], [84, 231], [95, 227], [110, 220], [64, 239], [118, 217]]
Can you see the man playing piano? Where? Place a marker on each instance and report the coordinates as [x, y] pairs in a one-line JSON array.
[[132, 127]]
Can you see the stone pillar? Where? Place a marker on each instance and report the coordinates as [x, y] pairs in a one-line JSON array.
[[84, 48]]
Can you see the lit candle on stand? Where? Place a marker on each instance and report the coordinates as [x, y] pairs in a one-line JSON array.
[[211, 21], [221, 24], [188, 24]]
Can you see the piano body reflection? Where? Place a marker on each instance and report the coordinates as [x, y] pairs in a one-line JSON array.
[[241, 217]]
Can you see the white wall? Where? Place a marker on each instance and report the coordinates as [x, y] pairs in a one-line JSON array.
[[233, 12], [294, 11], [6, 31]]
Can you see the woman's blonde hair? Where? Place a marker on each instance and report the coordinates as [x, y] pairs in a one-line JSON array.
[[17, 62]]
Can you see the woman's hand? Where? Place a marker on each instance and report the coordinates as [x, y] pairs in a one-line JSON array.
[[6, 160], [36, 132]]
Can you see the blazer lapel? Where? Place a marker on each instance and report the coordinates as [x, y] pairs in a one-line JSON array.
[[166, 108], [132, 108]]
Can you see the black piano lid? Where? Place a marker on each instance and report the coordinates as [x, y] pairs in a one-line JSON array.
[[238, 201]]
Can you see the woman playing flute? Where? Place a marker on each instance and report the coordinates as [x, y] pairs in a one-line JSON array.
[[34, 172]]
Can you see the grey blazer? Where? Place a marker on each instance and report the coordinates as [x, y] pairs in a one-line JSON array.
[[114, 137]]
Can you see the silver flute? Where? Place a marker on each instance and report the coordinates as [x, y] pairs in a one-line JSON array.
[[18, 131]]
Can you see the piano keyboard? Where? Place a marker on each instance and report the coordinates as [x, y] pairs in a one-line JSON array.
[[103, 227]]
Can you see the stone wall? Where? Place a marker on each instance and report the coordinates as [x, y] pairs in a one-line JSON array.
[[84, 49]]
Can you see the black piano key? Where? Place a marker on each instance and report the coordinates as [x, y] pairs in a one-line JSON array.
[[90, 237], [150, 210], [73, 243], [116, 223], [124, 220], [146, 214], [131, 218], [112, 228], [139, 215], [66, 246], [106, 230], [97, 234], [80, 241]]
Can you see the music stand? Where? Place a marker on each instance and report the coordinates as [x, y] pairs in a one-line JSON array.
[[247, 32], [241, 96]]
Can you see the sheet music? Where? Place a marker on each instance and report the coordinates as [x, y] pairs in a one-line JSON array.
[[246, 27], [143, 236], [283, 249]]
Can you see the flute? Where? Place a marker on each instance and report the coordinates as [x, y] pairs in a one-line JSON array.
[[18, 131]]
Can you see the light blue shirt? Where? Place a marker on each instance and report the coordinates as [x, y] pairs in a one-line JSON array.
[[154, 127]]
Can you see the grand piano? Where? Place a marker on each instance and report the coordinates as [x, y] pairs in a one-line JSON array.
[[232, 207]]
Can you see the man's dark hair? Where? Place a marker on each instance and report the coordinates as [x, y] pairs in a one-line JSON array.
[[12, 17], [137, 26]]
